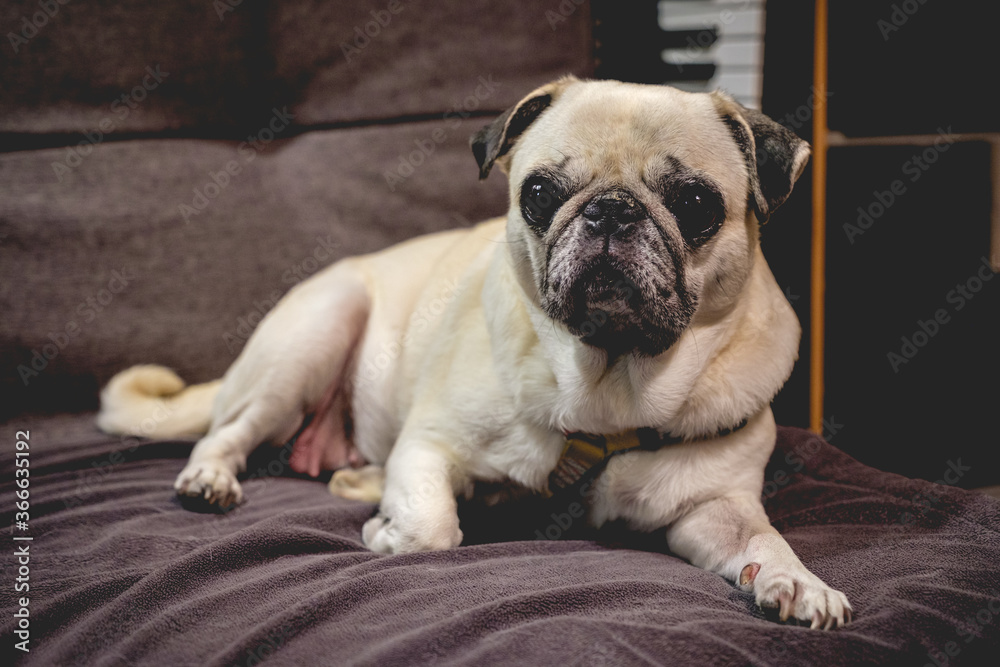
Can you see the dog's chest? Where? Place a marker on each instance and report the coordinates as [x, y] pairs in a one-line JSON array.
[[622, 398], [499, 444]]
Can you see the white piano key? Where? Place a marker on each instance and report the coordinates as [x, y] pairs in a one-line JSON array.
[[744, 86], [694, 86], [744, 17], [739, 51], [751, 101], [739, 84]]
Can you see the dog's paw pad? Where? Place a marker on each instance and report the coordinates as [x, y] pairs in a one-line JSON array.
[[800, 595], [210, 483], [749, 573]]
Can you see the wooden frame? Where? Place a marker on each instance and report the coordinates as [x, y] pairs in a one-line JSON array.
[[817, 312], [823, 138]]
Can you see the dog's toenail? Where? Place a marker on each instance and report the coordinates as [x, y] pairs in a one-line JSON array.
[[785, 602]]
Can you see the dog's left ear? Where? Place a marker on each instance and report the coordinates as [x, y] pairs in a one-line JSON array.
[[775, 156], [494, 141]]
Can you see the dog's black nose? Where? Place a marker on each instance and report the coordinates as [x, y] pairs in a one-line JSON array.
[[612, 213]]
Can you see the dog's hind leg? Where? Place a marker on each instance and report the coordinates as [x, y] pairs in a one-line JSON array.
[[216, 459], [297, 358]]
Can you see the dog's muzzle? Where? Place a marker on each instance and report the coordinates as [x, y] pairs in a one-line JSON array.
[[613, 281]]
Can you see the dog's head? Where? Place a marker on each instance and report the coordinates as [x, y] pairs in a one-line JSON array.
[[634, 206]]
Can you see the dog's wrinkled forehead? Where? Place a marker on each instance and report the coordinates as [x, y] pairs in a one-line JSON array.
[[623, 133], [608, 131]]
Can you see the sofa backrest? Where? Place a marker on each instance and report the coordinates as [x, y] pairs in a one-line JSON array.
[[169, 170], [207, 67]]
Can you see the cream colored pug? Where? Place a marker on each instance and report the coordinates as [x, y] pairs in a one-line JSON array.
[[625, 289]]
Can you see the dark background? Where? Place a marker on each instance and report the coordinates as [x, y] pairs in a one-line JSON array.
[[936, 71], [895, 68]]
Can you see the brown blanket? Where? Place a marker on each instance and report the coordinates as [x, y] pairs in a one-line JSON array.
[[120, 574]]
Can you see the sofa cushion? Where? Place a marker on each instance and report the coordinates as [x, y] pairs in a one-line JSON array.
[[151, 251]]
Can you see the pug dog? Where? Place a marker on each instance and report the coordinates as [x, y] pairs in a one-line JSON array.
[[625, 290]]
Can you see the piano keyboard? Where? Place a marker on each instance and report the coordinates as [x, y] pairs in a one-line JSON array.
[[715, 44]]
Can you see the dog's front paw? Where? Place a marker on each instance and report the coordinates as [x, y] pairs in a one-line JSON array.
[[384, 535], [209, 481], [797, 593]]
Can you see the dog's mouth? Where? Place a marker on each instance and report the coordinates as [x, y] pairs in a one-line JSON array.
[[627, 301], [605, 287]]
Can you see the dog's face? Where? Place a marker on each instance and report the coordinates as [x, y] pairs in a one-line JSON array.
[[635, 207]]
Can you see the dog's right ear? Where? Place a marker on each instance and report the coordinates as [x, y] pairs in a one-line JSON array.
[[775, 156], [495, 140]]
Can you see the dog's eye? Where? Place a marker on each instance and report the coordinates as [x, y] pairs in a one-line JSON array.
[[699, 213], [540, 199]]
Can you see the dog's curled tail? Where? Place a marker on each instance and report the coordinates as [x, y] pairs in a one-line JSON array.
[[153, 402]]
